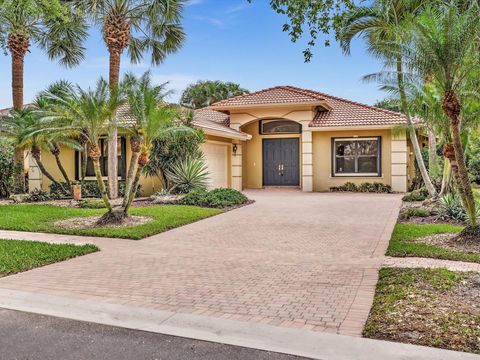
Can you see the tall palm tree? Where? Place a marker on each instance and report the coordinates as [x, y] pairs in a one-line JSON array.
[[139, 26], [52, 26], [384, 27], [88, 112], [446, 49]]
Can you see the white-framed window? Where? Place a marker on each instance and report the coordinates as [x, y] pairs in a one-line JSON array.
[[356, 156]]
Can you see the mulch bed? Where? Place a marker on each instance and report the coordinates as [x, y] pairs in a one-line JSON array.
[[433, 219], [90, 222], [450, 241], [423, 312]]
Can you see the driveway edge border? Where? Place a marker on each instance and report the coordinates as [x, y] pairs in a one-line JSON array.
[[256, 336]]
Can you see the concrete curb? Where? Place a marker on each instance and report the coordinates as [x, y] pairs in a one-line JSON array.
[[263, 337]]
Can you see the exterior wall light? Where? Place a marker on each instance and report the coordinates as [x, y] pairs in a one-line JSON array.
[[234, 149]]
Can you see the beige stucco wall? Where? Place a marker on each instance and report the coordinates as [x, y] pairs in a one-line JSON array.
[[322, 159], [253, 153]]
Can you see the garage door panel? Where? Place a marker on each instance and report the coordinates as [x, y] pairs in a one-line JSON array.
[[216, 159]]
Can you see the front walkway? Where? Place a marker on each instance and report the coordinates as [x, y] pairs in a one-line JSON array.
[[292, 259]]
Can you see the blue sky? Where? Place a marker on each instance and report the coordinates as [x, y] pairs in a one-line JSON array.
[[229, 40]]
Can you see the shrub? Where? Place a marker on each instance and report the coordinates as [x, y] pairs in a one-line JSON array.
[[416, 212], [217, 198], [197, 197], [222, 197], [364, 187], [414, 197], [37, 196], [451, 208], [187, 175], [7, 168], [91, 204]]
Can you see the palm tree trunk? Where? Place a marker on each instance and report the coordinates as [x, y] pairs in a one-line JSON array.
[[411, 129], [94, 153], [17, 80], [37, 155], [446, 178], [114, 76], [451, 106], [56, 152], [19, 168], [432, 154], [83, 169], [18, 46], [135, 144], [142, 161]]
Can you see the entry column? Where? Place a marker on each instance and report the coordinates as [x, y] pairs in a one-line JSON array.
[[307, 158]]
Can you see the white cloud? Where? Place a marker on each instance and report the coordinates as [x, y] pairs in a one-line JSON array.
[[194, 2], [235, 9], [177, 82]]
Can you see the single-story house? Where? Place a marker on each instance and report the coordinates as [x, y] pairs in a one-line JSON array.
[[280, 137], [290, 137]]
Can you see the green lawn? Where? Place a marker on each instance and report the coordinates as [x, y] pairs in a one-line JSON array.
[[430, 307], [20, 255], [40, 218], [401, 243]]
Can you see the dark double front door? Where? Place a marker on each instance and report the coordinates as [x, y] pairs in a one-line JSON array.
[[281, 162]]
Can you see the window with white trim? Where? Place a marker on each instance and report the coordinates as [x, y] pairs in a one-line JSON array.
[[356, 156]]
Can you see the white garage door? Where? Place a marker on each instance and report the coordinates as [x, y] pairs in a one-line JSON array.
[[216, 158]]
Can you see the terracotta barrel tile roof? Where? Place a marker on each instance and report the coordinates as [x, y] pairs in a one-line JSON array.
[[349, 113], [212, 115], [274, 95], [342, 112]]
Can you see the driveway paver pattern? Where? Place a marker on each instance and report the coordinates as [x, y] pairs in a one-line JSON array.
[[302, 260]]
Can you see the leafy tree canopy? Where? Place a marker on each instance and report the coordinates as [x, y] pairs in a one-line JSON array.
[[311, 17], [205, 93]]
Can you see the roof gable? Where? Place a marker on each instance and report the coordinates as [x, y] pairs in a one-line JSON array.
[[274, 95]]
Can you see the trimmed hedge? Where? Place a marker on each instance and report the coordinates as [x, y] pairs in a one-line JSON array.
[[365, 187], [217, 198]]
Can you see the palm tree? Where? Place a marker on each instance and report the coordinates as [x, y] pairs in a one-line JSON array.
[[152, 120], [51, 25], [446, 49], [139, 26], [205, 93], [88, 112], [384, 26], [25, 130]]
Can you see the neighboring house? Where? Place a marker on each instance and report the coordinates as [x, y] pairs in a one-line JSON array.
[[291, 137], [279, 137]]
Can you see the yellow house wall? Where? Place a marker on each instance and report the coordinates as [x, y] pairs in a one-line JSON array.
[[253, 153], [322, 158]]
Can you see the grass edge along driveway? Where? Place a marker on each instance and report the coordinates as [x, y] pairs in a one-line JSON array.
[[402, 243], [40, 218], [429, 307], [22, 255]]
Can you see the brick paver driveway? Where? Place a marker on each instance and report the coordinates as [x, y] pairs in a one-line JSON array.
[[291, 259]]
